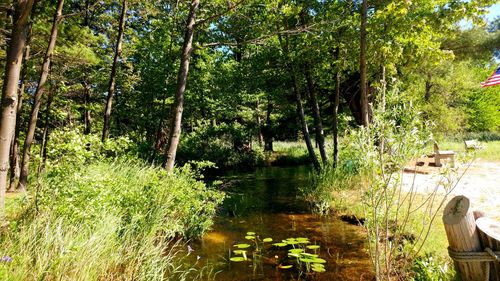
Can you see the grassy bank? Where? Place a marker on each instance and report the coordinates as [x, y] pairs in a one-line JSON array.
[[114, 220]]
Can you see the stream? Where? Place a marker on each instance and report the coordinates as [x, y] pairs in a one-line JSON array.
[[266, 202]]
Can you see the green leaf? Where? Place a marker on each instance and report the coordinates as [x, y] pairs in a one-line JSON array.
[[296, 251], [251, 233], [242, 246], [239, 252], [319, 260], [267, 240], [237, 259], [313, 247], [249, 237], [285, 266], [280, 244], [318, 269]]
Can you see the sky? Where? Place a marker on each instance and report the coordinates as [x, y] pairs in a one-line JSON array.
[[494, 12]]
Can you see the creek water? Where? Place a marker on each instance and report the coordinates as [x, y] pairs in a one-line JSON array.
[[266, 202]]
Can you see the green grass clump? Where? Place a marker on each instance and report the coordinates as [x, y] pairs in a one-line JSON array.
[[289, 153], [107, 221]]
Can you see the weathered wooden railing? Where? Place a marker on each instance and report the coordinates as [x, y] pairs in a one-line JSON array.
[[474, 241]]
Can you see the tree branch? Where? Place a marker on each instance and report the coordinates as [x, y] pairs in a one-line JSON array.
[[231, 7]]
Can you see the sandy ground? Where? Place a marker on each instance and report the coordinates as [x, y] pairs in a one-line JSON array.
[[480, 183]]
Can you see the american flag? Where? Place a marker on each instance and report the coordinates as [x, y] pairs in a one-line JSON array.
[[493, 80]]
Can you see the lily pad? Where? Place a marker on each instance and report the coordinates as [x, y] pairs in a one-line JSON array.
[[250, 233], [293, 255], [296, 251], [307, 255], [280, 244], [313, 247], [249, 237], [318, 269], [237, 259], [308, 260], [239, 252], [318, 260], [285, 266], [266, 240], [242, 246]]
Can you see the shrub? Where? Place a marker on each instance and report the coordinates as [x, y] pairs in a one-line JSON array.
[[226, 145], [108, 221]]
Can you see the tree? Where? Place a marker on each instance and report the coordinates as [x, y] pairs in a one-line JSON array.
[[10, 89], [112, 79], [362, 66], [178, 106], [37, 101]]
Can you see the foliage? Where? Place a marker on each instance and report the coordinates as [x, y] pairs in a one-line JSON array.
[[226, 145], [108, 220], [397, 221], [69, 147], [429, 268]]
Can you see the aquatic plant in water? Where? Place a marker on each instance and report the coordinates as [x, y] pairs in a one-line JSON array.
[[300, 253]]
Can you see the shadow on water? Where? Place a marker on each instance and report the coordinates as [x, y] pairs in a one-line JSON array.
[[266, 202]]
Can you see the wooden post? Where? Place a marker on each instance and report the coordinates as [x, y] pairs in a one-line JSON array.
[[489, 233], [463, 236]]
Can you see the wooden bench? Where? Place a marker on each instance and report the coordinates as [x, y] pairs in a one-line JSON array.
[[443, 154], [471, 145]]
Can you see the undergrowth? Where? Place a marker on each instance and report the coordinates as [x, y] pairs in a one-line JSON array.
[[111, 219]]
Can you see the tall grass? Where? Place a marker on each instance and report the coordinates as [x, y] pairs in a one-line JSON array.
[[290, 153], [108, 221]]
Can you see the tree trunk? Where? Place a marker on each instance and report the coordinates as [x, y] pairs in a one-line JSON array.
[[87, 118], [112, 79], [259, 124], [336, 99], [302, 118], [40, 90], [428, 86], [362, 66], [15, 168], [268, 131], [318, 124], [10, 89], [178, 106], [45, 134], [298, 99]]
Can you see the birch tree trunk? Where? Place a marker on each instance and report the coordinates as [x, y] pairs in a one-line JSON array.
[[40, 90], [362, 66], [10, 89], [178, 106], [112, 79]]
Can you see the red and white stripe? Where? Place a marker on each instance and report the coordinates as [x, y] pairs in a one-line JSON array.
[[493, 80]]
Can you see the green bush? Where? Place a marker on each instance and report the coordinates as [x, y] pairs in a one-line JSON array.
[[226, 145], [428, 268], [108, 221], [70, 147]]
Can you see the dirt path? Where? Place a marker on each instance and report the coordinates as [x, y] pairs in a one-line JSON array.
[[480, 183]]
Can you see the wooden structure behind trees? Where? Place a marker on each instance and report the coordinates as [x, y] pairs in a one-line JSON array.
[[472, 242]]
